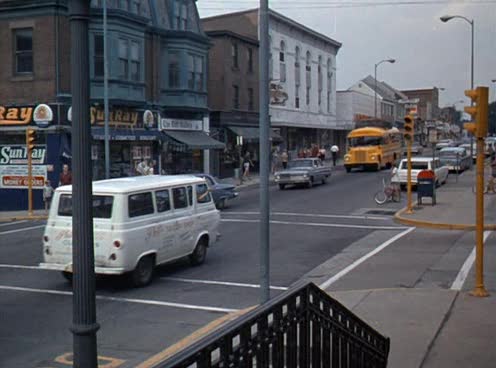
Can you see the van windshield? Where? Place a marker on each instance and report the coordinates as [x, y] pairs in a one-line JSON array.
[[102, 206]]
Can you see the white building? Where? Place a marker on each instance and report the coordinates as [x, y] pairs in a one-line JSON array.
[[353, 107]]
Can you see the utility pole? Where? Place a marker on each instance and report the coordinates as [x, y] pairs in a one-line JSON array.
[[105, 92], [84, 326], [264, 152]]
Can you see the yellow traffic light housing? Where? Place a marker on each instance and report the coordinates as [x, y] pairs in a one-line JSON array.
[[409, 129], [30, 139], [478, 111]]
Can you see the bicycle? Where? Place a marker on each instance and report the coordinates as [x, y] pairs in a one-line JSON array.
[[387, 193]]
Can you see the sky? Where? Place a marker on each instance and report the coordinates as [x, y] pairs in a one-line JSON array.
[[428, 52]]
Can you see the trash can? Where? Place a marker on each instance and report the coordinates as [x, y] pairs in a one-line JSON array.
[[426, 186]]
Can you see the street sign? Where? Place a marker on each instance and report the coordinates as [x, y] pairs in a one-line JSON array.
[[432, 136]]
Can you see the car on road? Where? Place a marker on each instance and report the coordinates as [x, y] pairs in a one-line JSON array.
[[418, 164], [455, 158], [222, 192], [138, 223], [466, 146], [306, 171], [417, 148], [444, 143]]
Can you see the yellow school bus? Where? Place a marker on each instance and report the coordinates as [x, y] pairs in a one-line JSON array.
[[373, 148]]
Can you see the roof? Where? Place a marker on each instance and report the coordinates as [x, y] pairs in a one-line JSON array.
[[136, 183], [419, 159], [369, 131], [384, 89]]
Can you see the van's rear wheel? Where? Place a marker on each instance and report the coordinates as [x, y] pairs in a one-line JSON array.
[[200, 253], [143, 273]]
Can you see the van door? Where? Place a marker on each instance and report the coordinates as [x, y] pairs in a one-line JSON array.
[[166, 226], [184, 221]]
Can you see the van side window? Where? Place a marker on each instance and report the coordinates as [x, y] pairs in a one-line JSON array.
[[140, 204], [102, 206], [202, 194], [190, 195], [162, 197], [179, 197]]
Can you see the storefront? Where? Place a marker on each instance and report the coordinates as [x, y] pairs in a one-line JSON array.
[[186, 145]]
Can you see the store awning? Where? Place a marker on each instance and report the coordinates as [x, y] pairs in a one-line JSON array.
[[126, 134], [253, 134], [195, 139]]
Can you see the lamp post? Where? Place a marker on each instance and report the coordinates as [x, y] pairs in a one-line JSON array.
[[447, 18], [392, 61]]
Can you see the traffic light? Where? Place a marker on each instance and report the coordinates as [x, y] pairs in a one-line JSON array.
[[30, 139], [409, 127], [478, 111]]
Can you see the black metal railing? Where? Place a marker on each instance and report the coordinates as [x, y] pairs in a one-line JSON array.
[[302, 327]]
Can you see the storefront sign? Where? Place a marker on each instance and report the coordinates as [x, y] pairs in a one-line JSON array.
[[117, 117], [15, 115], [42, 115], [16, 155], [16, 176], [180, 124]]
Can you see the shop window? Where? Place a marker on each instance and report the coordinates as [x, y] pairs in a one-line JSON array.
[[23, 51], [250, 60], [202, 194], [162, 198], [174, 81], [123, 59], [179, 198], [98, 67], [140, 204]]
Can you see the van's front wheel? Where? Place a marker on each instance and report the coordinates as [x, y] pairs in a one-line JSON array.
[[200, 253], [143, 273]]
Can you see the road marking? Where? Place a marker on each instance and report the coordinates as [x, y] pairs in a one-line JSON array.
[[225, 283], [126, 300], [19, 230], [356, 217], [13, 223], [20, 267], [467, 265], [373, 227], [349, 268]]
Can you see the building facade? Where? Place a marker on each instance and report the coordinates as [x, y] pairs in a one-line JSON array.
[[427, 107], [157, 57], [353, 109], [303, 78]]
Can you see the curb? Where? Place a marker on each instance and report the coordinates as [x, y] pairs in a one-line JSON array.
[[436, 225], [18, 218]]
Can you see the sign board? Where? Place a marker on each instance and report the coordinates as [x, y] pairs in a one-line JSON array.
[[16, 176], [17, 154], [180, 124], [432, 135]]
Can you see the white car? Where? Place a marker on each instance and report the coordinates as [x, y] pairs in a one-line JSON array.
[[419, 164], [443, 143]]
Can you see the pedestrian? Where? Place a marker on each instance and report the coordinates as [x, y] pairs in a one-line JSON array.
[[284, 159], [151, 168], [275, 161], [322, 153], [246, 165], [314, 150], [334, 153], [65, 177], [142, 168], [47, 194]]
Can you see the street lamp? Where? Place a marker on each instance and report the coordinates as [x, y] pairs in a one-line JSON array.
[[392, 61], [447, 18]]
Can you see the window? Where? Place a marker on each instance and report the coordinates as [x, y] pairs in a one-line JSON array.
[[140, 204], [135, 62], [250, 59], [282, 64], [195, 73], [184, 17], [235, 97], [23, 51], [177, 15], [102, 206], [137, 7], [319, 80], [123, 59], [190, 195], [251, 105], [174, 70], [297, 67], [98, 56], [234, 52], [297, 97], [191, 72], [124, 5], [329, 84], [162, 198], [308, 72], [202, 194], [179, 198]]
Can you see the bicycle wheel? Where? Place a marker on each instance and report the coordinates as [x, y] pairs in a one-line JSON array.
[[380, 197]]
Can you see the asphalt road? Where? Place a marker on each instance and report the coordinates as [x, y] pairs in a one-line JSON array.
[[308, 227]]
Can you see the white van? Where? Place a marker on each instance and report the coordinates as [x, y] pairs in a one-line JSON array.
[[139, 223]]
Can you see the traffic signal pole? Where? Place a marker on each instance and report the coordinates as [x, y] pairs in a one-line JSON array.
[[409, 134], [29, 151]]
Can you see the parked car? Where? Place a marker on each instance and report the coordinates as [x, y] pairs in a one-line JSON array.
[[307, 171], [419, 164], [222, 193], [455, 158], [445, 143], [417, 148], [466, 146]]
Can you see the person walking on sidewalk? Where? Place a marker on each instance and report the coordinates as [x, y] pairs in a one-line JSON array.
[[47, 194], [246, 165], [334, 153], [65, 176], [284, 159], [275, 161]]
